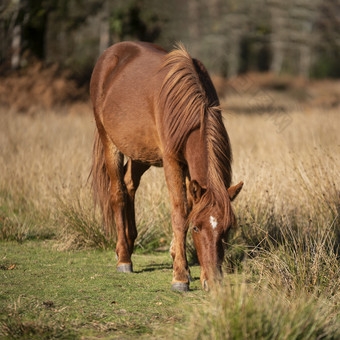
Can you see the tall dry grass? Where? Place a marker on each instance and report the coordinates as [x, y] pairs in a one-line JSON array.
[[291, 176], [45, 161], [289, 225], [241, 311], [293, 172]]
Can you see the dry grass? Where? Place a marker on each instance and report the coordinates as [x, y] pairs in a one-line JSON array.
[[291, 175], [288, 213], [45, 161], [243, 311]]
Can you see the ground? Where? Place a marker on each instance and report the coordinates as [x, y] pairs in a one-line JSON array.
[[46, 292]]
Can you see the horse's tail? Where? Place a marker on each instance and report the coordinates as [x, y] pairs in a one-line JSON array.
[[100, 177], [101, 185]]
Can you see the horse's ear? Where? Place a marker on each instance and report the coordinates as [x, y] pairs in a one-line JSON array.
[[234, 190], [195, 190]]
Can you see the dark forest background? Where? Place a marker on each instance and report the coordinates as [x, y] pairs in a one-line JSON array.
[[297, 37]]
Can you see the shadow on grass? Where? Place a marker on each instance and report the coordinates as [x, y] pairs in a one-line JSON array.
[[154, 267]]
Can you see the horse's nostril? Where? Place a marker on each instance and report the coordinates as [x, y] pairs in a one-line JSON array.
[[205, 285]]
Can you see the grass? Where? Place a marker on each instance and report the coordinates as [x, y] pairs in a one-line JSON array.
[[19, 220], [51, 293], [46, 161], [282, 262], [248, 311]]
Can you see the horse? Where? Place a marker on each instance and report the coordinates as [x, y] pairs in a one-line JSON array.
[[161, 109]]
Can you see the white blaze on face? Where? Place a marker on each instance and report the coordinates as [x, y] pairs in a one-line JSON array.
[[213, 222]]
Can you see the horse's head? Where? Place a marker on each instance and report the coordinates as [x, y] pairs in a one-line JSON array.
[[210, 227]]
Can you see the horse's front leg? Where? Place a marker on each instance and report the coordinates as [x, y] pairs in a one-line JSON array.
[[174, 175]]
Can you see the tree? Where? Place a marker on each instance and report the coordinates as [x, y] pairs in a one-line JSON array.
[[11, 27]]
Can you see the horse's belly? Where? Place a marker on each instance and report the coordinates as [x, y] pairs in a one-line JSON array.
[[136, 139], [142, 150]]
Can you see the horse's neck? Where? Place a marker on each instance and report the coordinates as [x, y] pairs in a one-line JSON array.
[[196, 157]]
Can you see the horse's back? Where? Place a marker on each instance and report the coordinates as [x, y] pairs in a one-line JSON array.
[[125, 86]]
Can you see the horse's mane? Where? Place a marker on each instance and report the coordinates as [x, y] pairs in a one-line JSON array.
[[189, 101]]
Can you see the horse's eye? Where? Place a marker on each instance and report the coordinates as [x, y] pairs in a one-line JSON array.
[[196, 230]]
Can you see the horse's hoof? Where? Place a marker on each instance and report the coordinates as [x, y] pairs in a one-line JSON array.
[[190, 278], [125, 268], [205, 285], [180, 286]]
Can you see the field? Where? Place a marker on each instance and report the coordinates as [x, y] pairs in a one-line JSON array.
[[282, 277]]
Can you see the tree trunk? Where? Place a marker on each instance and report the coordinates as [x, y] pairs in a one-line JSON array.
[[234, 54], [16, 38], [104, 29], [277, 59], [194, 29]]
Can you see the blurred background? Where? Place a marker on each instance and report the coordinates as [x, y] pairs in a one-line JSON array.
[[57, 42]]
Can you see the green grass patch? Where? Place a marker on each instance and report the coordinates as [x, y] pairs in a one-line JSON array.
[[52, 294]]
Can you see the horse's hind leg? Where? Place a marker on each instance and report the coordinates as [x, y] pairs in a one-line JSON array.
[[114, 161], [133, 174]]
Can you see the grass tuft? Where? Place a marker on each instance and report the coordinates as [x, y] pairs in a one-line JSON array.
[[81, 228], [304, 263], [241, 311]]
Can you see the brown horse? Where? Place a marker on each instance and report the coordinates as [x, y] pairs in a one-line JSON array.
[[161, 109]]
